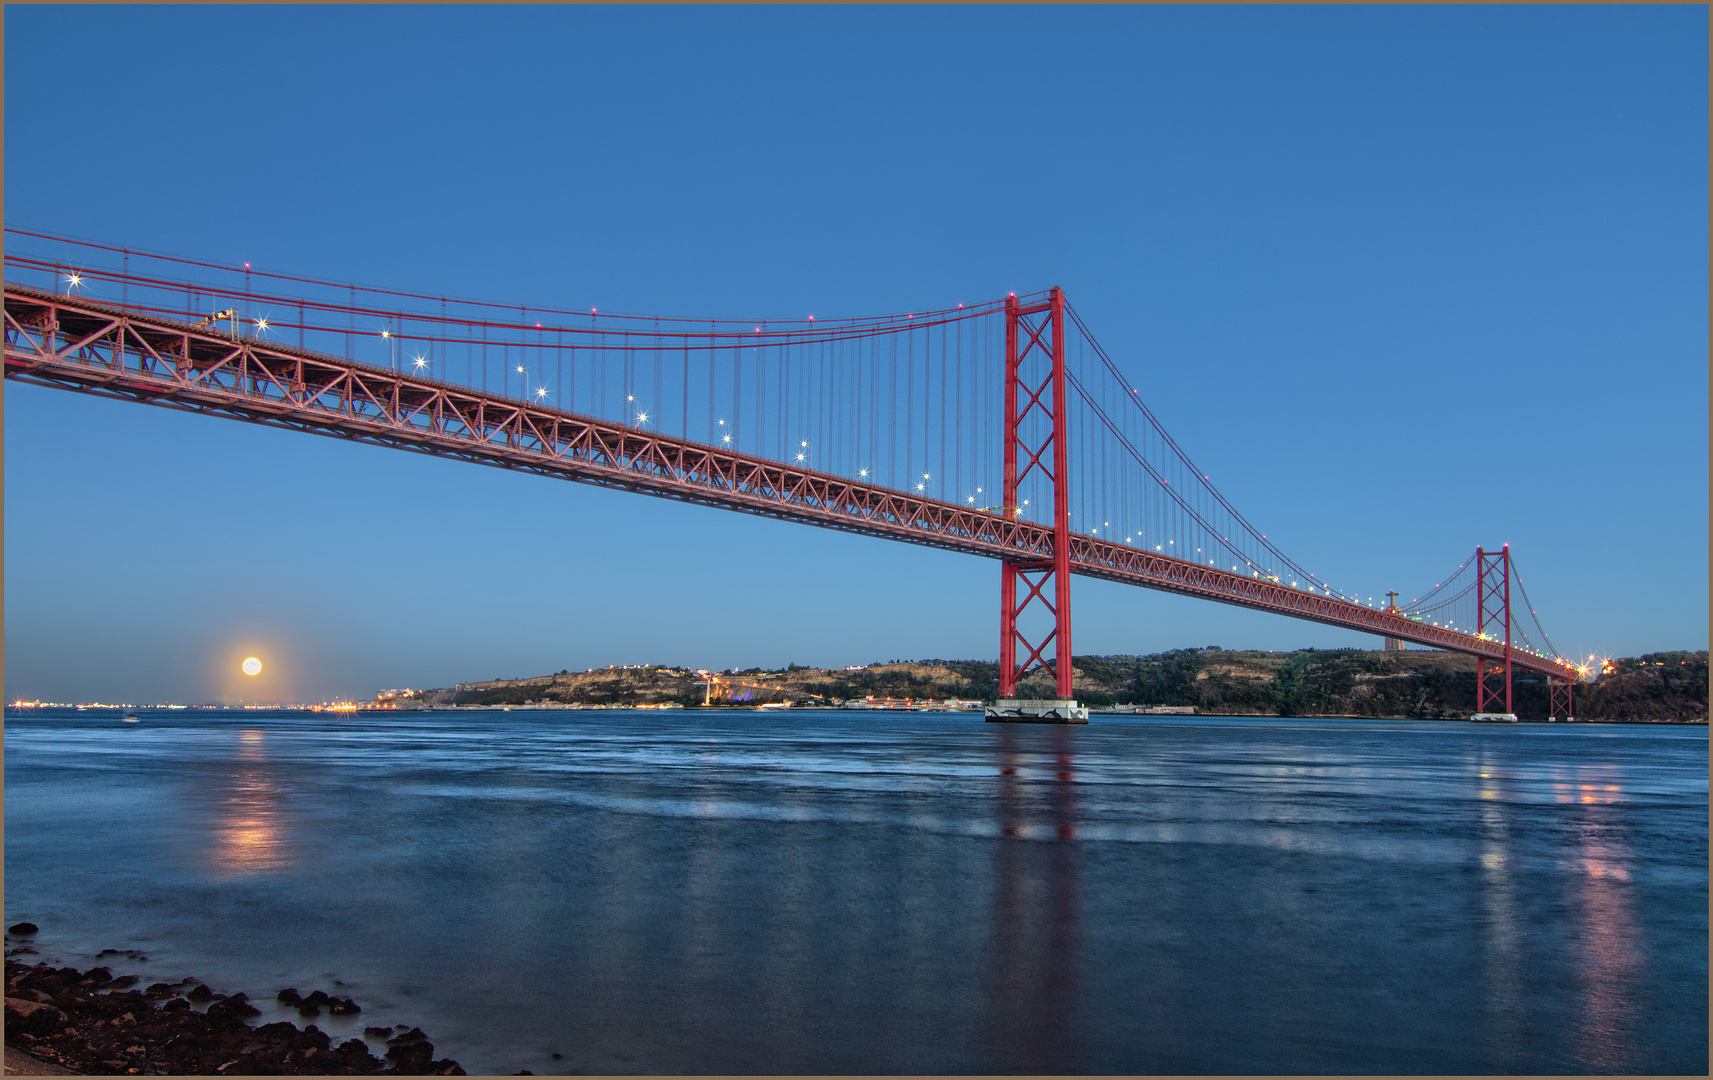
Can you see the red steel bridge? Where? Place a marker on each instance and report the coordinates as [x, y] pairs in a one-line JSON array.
[[998, 429]]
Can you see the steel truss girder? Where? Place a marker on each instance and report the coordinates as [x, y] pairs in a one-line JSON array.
[[164, 362]]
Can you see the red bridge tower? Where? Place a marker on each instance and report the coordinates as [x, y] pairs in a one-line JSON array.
[[1035, 380]]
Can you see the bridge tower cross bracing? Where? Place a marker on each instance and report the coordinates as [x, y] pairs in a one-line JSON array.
[[1493, 605], [1559, 703], [1035, 380]]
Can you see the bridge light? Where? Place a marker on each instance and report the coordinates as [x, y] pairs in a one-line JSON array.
[[261, 325], [419, 362], [726, 439], [386, 333], [541, 391]]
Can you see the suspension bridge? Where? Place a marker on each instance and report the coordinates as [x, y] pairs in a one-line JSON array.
[[998, 429]]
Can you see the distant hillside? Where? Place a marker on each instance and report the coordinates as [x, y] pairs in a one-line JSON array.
[[1419, 684]]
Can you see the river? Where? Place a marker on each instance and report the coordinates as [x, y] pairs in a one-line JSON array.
[[840, 892]]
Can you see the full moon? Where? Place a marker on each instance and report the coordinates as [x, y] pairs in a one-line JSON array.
[[252, 666]]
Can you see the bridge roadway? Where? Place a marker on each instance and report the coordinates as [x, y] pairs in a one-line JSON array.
[[78, 344]]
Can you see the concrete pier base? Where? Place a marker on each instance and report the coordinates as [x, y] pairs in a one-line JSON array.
[[1045, 711], [1494, 718]]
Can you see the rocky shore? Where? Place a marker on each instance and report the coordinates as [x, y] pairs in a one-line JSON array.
[[95, 1022]]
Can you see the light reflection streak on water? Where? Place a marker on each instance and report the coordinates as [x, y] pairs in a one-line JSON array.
[[1035, 936], [246, 816], [1505, 1008], [1609, 959]]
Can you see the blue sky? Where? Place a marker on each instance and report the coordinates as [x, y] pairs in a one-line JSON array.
[[1405, 279]]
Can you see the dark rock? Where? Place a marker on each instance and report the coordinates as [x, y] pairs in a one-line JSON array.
[[290, 996], [523, 1072], [377, 1032], [238, 1005], [132, 1031], [35, 1017], [22, 950], [317, 997], [227, 1012], [412, 1058], [23, 929], [344, 1007], [274, 1032], [306, 1009], [124, 980]]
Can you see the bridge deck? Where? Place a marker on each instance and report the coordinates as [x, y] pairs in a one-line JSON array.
[[76, 344]]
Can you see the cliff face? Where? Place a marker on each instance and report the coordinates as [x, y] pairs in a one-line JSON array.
[[1669, 686], [1414, 684], [1348, 682], [645, 685]]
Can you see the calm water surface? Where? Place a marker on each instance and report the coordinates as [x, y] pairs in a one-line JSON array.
[[898, 893]]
